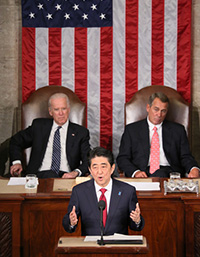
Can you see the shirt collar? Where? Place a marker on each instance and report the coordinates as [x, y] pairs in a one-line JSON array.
[[151, 125], [108, 187], [64, 126]]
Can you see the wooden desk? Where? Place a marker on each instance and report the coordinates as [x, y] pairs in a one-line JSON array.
[[172, 222], [10, 225], [71, 247]]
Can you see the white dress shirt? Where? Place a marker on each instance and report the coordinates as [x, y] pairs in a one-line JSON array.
[[46, 163], [163, 159], [107, 193]]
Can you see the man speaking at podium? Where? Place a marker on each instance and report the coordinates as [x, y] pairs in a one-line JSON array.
[[121, 206]]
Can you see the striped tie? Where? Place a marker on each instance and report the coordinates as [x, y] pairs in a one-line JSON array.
[[55, 165]]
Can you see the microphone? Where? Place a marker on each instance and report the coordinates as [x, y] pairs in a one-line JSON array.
[[101, 206]]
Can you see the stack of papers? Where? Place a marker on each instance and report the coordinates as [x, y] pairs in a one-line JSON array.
[[145, 186], [116, 236], [18, 181]]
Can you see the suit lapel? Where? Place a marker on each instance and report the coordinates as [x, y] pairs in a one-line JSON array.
[[166, 137], [116, 194], [45, 133], [92, 201], [144, 139], [71, 137]]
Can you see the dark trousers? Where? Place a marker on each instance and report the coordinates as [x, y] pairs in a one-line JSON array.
[[49, 174], [163, 172]]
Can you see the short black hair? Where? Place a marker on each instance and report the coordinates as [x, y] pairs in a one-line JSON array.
[[100, 152]]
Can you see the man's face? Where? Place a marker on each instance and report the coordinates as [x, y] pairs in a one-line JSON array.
[[101, 170], [59, 110], [157, 112]]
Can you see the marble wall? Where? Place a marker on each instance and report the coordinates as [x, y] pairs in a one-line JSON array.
[[10, 66], [10, 71], [195, 105]]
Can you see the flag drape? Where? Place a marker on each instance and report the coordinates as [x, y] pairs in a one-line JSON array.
[[105, 51]]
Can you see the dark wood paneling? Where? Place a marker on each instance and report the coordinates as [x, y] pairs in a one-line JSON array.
[[192, 226], [197, 234], [164, 226], [34, 222], [10, 226], [6, 234]]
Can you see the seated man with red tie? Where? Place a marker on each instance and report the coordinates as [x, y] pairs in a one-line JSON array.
[[155, 147], [121, 209], [59, 147]]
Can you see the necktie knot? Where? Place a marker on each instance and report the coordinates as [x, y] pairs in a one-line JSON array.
[[103, 190], [155, 129]]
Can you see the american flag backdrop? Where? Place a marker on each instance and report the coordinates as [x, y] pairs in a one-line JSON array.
[[106, 50]]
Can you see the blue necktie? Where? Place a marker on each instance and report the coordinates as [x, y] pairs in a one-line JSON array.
[[55, 165]]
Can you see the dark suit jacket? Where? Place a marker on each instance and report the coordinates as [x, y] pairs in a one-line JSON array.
[[37, 136], [135, 148], [123, 200], [4, 155]]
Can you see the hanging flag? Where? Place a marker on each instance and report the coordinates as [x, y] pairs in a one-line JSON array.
[[105, 51]]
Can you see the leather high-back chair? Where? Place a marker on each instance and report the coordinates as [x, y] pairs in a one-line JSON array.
[[36, 106], [179, 110]]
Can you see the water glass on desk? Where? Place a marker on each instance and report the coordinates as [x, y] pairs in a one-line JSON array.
[[175, 175], [31, 181]]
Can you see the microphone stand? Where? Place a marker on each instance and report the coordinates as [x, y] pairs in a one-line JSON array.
[[101, 207], [101, 242]]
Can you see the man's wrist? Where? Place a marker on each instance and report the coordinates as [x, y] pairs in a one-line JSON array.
[[79, 172], [133, 175], [138, 223], [16, 162], [197, 168]]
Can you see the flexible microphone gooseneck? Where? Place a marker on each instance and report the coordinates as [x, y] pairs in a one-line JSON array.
[[101, 206]]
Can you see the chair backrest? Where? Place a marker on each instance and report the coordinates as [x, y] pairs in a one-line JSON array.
[[179, 110], [36, 106]]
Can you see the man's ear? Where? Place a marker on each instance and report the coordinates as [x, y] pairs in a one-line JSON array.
[[113, 168], [148, 107], [50, 112]]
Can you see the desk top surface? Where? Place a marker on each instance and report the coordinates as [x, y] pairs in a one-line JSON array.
[[63, 187], [77, 244]]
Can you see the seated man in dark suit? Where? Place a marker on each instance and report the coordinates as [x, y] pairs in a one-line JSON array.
[[122, 208], [59, 147], [155, 147], [4, 156]]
